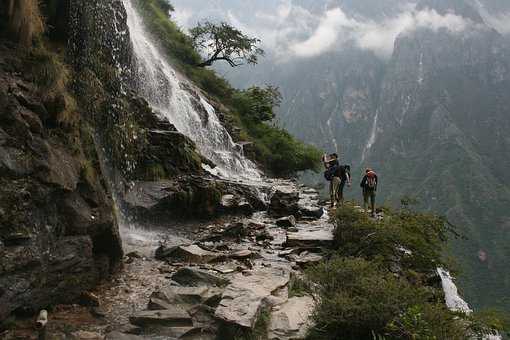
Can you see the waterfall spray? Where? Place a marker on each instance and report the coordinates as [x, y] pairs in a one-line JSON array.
[[178, 101]]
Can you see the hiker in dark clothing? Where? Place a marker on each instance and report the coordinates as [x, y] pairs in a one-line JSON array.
[[331, 174], [369, 186], [345, 178], [338, 176]]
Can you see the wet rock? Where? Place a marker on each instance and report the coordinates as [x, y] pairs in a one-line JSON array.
[[286, 222], [181, 295], [84, 335], [195, 277], [123, 336], [134, 255], [310, 238], [200, 333], [247, 295], [263, 235], [16, 239], [284, 202], [202, 315], [98, 312], [305, 258], [236, 229], [189, 254], [89, 299], [174, 317], [309, 206], [156, 302], [291, 320], [241, 254], [231, 204]]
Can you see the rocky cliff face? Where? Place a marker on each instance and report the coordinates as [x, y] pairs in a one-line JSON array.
[[58, 236], [441, 129]]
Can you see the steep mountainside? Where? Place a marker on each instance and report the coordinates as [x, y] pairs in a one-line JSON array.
[[432, 116]]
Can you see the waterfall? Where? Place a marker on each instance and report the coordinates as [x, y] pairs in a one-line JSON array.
[[452, 297], [371, 139], [454, 301], [177, 100]]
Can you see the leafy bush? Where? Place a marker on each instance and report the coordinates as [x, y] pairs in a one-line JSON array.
[[378, 283], [357, 298], [414, 241]]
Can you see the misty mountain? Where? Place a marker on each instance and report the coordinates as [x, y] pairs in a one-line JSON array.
[[418, 90]]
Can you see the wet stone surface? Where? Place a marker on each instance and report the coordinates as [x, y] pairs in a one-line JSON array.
[[219, 274]]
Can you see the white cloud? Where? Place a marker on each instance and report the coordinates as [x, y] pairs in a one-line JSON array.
[[326, 35], [182, 16], [288, 30], [335, 28], [500, 23]]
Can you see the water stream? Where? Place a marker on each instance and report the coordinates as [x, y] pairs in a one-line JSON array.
[[454, 301], [176, 99]]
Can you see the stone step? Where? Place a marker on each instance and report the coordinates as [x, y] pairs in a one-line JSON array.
[[175, 317]]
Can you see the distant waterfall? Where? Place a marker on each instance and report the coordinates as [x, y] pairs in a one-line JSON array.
[[454, 301], [371, 139], [175, 98]]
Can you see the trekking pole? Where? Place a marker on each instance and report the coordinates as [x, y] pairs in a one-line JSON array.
[[40, 324]]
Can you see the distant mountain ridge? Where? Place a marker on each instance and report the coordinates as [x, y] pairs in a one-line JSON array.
[[433, 118]]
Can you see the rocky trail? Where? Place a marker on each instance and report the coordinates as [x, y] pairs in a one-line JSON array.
[[227, 279]]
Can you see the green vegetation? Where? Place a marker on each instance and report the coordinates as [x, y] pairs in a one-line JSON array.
[[275, 149], [381, 282], [224, 42]]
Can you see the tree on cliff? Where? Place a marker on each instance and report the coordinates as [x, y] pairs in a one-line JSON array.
[[224, 42]]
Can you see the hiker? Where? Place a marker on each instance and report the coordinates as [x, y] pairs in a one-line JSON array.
[[331, 165], [369, 186], [337, 176], [344, 173]]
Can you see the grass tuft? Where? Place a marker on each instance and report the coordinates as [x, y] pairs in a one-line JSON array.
[[25, 20]]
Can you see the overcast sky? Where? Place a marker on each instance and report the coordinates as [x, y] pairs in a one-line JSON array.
[[304, 29]]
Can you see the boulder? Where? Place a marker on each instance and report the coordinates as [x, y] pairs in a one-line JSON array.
[[291, 320], [309, 205], [305, 258], [200, 333], [195, 277], [284, 202], [190, 254], [184, 295], [245, 298], [310, 238], [241, 254], [174, 317], [235, 229], [286, 222], [232, 204]]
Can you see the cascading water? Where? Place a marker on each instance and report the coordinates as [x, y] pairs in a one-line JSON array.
[[454, 301], [176, 99]]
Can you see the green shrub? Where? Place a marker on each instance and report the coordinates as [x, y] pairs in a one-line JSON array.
[[377, 284], [412, 240], [428, 322], [357, 298]]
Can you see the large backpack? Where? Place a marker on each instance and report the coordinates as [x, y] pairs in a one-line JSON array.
[[371, 180], [330, 172]]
